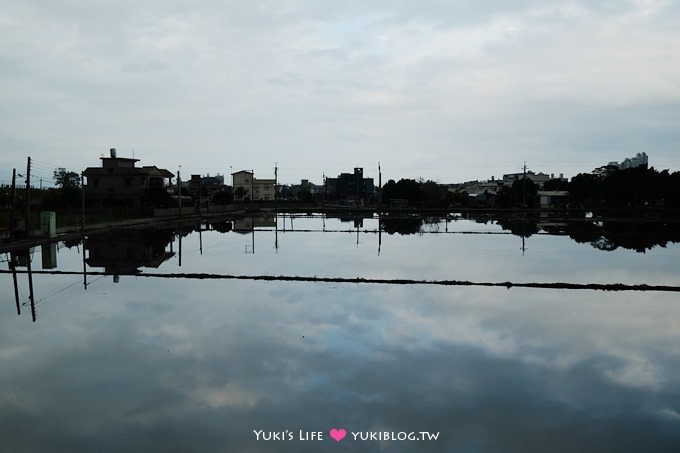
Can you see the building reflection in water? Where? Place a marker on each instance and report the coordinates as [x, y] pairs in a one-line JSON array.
[[123, 252], [247, 224]]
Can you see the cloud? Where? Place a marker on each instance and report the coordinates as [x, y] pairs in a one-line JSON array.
[[446, 89], [197, 365]]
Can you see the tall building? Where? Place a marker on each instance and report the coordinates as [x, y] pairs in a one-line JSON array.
[[639, 160], [351, 187]]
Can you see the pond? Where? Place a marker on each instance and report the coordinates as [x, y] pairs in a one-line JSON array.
[[171, 341]]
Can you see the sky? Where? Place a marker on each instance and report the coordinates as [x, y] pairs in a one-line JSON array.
[[447, 90]]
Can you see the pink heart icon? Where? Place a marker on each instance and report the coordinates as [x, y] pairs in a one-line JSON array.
[[338, 434]]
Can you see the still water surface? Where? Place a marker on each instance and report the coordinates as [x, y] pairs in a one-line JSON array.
[[153, 364]]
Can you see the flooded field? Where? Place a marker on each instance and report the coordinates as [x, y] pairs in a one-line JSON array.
[[298, 333]]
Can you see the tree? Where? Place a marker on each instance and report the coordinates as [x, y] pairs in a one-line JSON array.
[[525, 191], [556, 184], [403, 226], [522, 193], [305, 195], [585, 188], [434, 195], [405, 189], [157, 197], [66, 179], [605, 170], [223, 197], [240, 193]]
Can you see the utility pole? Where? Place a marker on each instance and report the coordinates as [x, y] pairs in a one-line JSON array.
[[524, 185], [13, 267], [379, 188], [179, 212], [82, 202], [179, 196], [28, 197], [379, 208], [13, 203], [30, 284], [276, 182], [82, 226]]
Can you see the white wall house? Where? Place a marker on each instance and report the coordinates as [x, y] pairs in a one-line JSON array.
[[246, 187]]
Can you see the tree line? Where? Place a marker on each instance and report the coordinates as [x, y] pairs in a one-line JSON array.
[[605, 187]]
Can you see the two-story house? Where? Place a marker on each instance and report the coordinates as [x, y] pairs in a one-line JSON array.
[[119, 182], [248, 188]]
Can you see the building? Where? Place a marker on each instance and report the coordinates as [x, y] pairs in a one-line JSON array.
[[537, 178], [125, 252], [246, 187], [303, 191], [248, 224], [118, 182], [204, 186], [639, 160], [477, 187], [313, 189], [351, 187], [553, 198]]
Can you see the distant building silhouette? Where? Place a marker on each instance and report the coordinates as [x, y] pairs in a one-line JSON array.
[[205, 185], [476, 188], [538, 178], [639, 160], [119, 182], [351, 187], [313, 189]]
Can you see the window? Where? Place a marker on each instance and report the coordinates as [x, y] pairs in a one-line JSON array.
[[128, 182]]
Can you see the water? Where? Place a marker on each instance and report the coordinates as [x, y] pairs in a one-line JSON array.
[[178, 364]]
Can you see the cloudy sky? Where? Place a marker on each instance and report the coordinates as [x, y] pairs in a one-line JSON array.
[[448, 90]]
